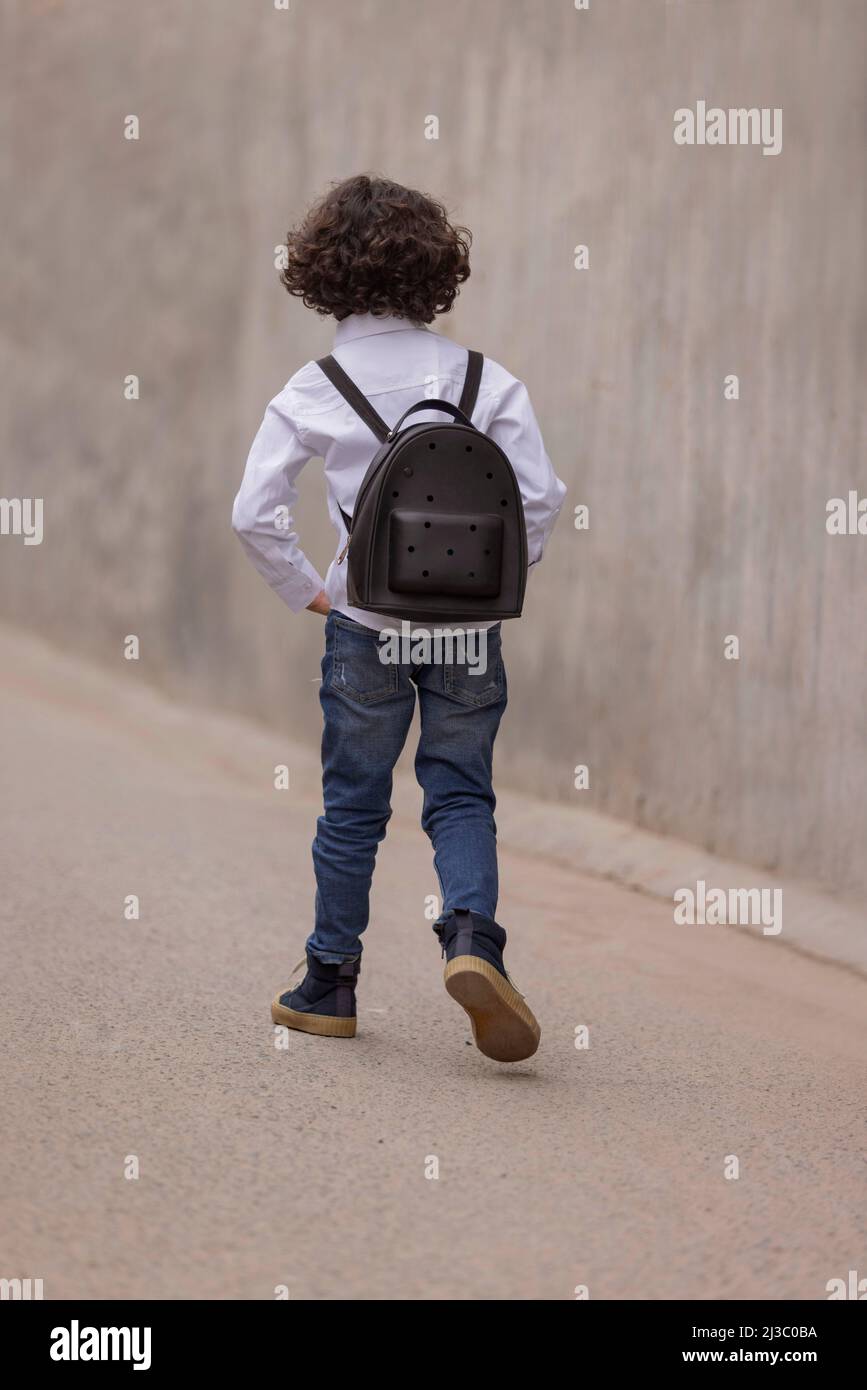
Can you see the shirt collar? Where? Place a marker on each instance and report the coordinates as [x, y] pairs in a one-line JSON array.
[[368, 325]]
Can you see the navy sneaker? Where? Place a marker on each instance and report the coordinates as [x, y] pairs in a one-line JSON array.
[[503, 1024], [323, 1002]]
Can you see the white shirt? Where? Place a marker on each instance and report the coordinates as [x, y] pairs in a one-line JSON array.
[[395, 364]]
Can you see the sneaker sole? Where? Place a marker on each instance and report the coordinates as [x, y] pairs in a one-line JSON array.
[[503, 1025], [324, 1025]]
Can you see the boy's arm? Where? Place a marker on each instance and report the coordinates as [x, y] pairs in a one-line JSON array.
[[515, 428], [262, 514]]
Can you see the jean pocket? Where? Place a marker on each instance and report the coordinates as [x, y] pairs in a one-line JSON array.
[[462, 681], [356, 669]]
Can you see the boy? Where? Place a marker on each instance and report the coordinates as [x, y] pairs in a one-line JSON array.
[[383, 260]]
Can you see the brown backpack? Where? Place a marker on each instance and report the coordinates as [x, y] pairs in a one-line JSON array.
[[437, 530]]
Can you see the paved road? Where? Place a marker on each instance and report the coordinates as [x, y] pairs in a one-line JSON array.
[[306, 1167]]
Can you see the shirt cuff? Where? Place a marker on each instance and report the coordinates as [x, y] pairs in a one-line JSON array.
[[300, 590]]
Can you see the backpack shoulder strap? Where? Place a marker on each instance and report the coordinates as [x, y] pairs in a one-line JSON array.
[[475, 363], [351, 394]]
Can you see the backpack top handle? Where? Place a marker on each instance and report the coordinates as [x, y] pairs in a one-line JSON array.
[[454, 410]]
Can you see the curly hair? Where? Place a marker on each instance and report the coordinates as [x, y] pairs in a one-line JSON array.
[[370, 246]]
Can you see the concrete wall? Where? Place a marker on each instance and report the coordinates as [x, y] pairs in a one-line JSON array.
[[707, 516]]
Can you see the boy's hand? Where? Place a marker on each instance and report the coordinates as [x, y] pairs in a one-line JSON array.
[[320, 604]]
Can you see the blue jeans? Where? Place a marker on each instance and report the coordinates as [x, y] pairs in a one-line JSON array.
[[368, 708]]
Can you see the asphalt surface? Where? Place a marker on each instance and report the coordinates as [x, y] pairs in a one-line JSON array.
[[306, 1166]]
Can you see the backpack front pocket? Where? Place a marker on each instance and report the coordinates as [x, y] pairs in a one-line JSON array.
[[449, 553]]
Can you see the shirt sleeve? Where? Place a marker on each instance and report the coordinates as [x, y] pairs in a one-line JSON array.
[[262, 514], [515, 428]]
